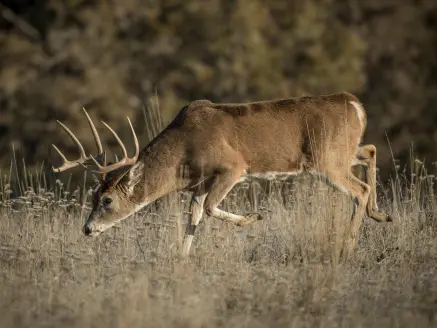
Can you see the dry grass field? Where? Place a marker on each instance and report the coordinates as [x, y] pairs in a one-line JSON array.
[[279, 272]]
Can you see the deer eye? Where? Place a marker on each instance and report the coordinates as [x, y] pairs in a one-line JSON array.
[[107, 201]]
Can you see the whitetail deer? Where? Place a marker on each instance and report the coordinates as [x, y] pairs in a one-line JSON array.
[[219, 143]]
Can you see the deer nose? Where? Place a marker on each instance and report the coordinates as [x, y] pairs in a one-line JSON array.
[[87, 230]]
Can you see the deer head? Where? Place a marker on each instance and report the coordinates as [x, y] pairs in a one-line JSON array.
[[114, 197]]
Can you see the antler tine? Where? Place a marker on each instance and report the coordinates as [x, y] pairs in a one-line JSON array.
[[95, 133], [137, 145], [66, 163], [60, 153], [123, 148], [83, 156], [104, 159], [125, 160]]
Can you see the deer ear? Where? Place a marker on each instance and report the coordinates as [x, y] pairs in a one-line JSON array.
[[135, 175]]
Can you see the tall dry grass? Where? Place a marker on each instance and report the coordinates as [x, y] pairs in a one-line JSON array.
[[279, 272]]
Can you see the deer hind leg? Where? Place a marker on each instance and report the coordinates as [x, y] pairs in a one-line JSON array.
[[196, 209], [360, 191], [221, 185], [367, 155]]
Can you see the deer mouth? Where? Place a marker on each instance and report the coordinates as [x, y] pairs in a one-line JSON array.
[[91, 230], [95, 233]]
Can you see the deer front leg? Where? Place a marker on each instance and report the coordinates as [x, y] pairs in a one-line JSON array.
[[222, 184], [196, 209]]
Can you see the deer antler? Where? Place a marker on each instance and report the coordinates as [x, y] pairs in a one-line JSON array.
[[125, 160], [83, 158]]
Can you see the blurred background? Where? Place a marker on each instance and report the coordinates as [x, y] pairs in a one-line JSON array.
[[137, 57]]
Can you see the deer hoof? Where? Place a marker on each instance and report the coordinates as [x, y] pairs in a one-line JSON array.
[[381, 217], [249, 218]]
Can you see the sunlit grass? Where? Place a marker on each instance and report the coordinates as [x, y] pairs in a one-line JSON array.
[[279, 272]]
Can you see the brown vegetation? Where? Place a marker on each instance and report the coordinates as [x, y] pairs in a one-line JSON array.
[[278, 272], [112, 57]]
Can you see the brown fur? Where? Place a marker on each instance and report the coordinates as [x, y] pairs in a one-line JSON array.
[[218, 143]]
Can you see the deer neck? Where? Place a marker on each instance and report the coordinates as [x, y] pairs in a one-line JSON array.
[[162, 159]]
